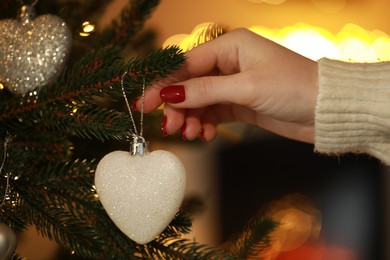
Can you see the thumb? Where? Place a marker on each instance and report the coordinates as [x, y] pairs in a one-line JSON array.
[[205, 91]]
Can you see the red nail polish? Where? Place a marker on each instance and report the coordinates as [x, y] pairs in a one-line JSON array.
[[183, 132], [134, 104], [173, 94], [163, 125], [201, 136]]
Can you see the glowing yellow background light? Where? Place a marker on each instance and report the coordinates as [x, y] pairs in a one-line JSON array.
[[351, 43], [87, 29]]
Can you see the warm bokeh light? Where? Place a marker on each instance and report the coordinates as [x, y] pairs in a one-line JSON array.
[[87, 29], [352, 43], [200, 34], [318, 251], [298, 235], [299, 222]]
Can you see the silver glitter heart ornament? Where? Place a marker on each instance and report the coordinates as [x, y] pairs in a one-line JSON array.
[[141, 193], [33, 52]]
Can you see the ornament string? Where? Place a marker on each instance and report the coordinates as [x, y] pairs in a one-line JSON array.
[[33, 3], [7, 140], [139, 145]]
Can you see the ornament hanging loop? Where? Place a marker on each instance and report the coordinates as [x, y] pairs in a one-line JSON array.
[[7, 140], [32, 4], [138, 145], [27, 13]]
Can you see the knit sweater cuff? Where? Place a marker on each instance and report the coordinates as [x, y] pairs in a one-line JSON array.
[[353, 109]]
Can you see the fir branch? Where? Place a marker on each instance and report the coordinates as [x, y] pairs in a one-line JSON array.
[[124, 248], [58, 223], [181, 224], [75, 83], [99, 74], [75, 12], [69, 186], [17, 257], [76, 175], [127, 25], [119, 246], [11, 217], [94, 66], [103, 80], [101, 124], [14, 166], [182, 249], [253, 240], [10, 211], [61, 205], [170, 245], [83, 120], [17, 158], [96, 123], [51, 110], [28, 147], [51, 148], [157, 65]]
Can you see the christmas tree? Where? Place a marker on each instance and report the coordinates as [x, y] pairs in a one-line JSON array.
[[60, 114]]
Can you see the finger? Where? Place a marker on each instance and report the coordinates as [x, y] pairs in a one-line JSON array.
[[206, 91], [173, 120], [217, 56], [192, 126], [151, 100], [209, 132], [192, 68], [209, 125]]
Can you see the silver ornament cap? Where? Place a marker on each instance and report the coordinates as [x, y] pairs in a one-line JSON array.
[[138, 145], [7, 242]]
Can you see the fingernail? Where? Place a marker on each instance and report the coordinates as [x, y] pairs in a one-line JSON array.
[[173, 94], [201, 136], [163, 125], [183, 132], [134, 104]]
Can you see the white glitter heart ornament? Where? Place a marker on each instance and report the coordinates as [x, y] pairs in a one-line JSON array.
[[32, 51], [141, 194]]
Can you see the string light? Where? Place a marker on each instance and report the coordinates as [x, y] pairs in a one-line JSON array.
[[87, 29]]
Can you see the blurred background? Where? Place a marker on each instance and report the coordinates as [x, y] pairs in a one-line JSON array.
[[245, 169], [252, 168]]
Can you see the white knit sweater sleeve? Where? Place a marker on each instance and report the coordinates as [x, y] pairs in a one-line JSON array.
[[353, 109]]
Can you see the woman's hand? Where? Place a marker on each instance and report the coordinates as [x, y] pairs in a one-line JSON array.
[[239, 76]]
